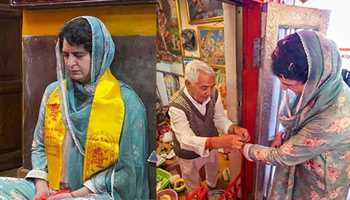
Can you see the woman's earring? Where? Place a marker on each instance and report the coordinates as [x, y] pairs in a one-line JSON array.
[[291, 67]]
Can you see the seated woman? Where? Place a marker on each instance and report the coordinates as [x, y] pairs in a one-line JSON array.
[[313, 161], [90, 138]]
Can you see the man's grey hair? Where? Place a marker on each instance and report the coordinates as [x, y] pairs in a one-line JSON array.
[[193, 68]]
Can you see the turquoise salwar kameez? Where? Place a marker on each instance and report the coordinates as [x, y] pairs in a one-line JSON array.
[[127, 178]]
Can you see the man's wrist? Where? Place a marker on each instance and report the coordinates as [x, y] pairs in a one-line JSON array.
[[209, 143]]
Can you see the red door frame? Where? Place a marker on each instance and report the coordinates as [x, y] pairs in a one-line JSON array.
[[250, 85]]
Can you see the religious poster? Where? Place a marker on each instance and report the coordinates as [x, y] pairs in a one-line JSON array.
[[211, 45], [168, 33], [203, 11]]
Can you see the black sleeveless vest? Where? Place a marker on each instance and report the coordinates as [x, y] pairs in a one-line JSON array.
[[201, 125]]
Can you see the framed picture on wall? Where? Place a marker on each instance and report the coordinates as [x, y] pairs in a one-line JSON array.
[[211, 45], [203, 11], [167, 85], [220, 79], [168, 32], [189, 39]]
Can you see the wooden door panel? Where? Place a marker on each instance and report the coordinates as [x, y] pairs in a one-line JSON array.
[[10, 90], [10, 61], [9, 106]]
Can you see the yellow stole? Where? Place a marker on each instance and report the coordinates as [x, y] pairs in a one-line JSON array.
[[103, 132]]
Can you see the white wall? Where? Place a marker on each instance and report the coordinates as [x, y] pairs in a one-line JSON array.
[[339, 29]]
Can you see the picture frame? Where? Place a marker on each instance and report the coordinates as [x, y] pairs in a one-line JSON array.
[[167, 85], [168, 42], [220, 81], [204, 11], [189, 39], [211, 45]]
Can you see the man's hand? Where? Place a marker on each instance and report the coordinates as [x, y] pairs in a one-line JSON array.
[[225, 141], [42, 189], [277, 141], [237, 130]]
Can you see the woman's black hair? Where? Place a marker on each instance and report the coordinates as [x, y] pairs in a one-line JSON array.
[[289, 59], [76, 32]]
